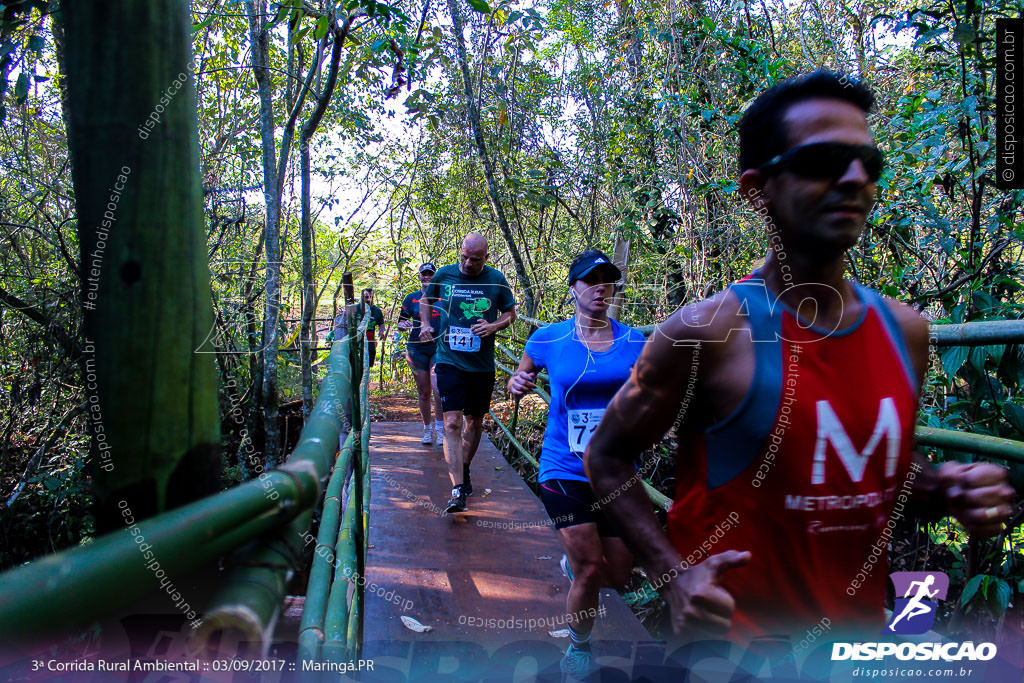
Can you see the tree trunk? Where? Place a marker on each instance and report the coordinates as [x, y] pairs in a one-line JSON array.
[[259, 39], [308, 305], [473, 112], [273, 184], [135, 159]]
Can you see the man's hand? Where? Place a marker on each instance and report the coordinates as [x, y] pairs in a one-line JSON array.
[[979, 495], [696, 599], [521, 383], [426, 334], [404, 325], [482, 328]]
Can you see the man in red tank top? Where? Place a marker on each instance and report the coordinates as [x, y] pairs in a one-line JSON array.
[[793, 394]]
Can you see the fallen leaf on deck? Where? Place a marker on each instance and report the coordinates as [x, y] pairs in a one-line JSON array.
[[416, 626], [486, 493], [544, 557]]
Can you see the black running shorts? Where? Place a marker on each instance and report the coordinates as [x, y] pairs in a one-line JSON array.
[[570, 502], [469, 392], [419, 360]]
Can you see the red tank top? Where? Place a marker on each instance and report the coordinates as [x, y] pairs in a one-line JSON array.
[[806, 471]]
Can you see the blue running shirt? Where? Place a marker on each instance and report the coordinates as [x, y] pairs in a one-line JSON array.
[[583, 382]]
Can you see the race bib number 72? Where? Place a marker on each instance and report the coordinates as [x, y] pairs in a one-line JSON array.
[[582, 424]]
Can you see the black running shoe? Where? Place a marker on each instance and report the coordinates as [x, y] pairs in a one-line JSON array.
[[467, 485], [457, 502]]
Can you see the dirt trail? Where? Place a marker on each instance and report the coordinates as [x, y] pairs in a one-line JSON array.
[[394, 408]]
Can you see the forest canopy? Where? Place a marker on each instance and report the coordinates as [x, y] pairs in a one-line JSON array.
[[369, 137]]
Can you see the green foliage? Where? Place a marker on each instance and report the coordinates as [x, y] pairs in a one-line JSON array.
[[605, 122]]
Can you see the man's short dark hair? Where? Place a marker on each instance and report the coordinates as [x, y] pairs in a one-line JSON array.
[[763, 134]]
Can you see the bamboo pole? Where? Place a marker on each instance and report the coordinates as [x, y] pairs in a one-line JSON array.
[[978, 333], [90, 581], [992, 446], [336, 646], [344, 596], [248, 603], [355, 623], [134, 154], [311, 627], [87, 582]]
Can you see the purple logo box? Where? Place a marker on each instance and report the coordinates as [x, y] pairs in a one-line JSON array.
[[917, 596]]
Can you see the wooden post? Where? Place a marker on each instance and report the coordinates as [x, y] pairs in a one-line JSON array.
[[135, 166], [350, 292], [355, 350], [621, 259]]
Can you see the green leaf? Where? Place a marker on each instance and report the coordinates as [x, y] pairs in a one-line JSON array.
[[1014, 415], [963, 33], [1000, 598], [978, 355], [21, 88], [282, 12], [971, 589], [953, 359], [321, 27], [480, 6]]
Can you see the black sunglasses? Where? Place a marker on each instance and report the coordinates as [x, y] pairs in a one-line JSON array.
[[826, 160]]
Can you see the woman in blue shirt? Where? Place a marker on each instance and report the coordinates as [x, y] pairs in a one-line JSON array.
[[588, 358]]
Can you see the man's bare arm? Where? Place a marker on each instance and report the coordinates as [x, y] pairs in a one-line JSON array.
[[977, 494], [639, 415]]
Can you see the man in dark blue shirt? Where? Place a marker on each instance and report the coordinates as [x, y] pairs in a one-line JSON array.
[[420, 356]]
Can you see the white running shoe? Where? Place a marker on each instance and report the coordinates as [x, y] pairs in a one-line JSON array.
[[439, 436], [427, 436]]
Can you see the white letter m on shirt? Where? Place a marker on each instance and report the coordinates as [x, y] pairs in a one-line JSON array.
[[831, 430]]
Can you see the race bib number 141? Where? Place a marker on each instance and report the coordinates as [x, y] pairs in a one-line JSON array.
[[463, 339]]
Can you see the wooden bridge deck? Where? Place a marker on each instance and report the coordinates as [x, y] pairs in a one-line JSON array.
[[477, 579]]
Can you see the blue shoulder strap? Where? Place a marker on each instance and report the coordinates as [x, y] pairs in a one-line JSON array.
[[874, 300], [734, 443]]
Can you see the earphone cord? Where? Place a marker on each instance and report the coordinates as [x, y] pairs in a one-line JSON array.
[[590, 357]]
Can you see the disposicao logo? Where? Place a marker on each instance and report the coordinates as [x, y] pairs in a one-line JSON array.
[[917, 599], [914, 613]]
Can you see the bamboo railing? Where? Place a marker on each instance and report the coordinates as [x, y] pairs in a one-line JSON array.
[[269, 516]]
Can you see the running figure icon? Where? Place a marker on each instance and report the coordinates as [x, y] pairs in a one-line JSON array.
[[915, 607]]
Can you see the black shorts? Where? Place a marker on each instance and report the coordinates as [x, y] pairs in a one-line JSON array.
[[420, 359], [570, 502], [469, 392]]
